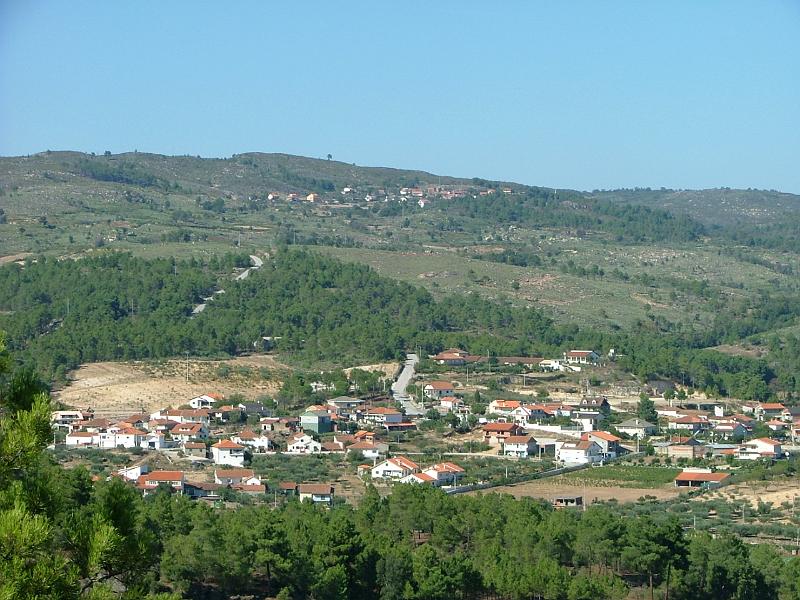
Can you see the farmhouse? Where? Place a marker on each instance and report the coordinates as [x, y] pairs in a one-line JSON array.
[[150, 481], [453, 357]]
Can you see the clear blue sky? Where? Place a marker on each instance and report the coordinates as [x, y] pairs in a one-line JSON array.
[[580, 94]]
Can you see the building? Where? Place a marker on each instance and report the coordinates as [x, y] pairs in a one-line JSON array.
[[258, 442], [637, 428], [759, 448], [700, 478], [582, 357], [394, 468], [316, 420], [227, 452], [608, 442], [437, 390], [382, 415], [445, 473], [579, 453], [189, 432], [302, 443], [374, 450], [149, 482], [495, 433], [196, 449], [318, 493], [205, 401], [82, 438], [236, 477], [453, 357], [691, 423], [521, 446]]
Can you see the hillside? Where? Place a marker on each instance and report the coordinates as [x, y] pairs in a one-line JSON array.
[[677, 263]]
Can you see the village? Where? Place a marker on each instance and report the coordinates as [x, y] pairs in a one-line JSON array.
[[213, 447]]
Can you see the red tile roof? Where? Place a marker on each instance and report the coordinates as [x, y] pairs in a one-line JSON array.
[[709, 477], [227, 445], [439, 385]]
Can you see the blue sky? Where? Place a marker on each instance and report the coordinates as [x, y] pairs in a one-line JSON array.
[[585, 95]]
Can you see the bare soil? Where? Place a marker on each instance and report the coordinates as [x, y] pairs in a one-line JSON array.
[[549, 489], [115, 390], [753, 492]]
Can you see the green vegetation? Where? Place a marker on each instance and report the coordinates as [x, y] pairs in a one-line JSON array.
[[627, 475]]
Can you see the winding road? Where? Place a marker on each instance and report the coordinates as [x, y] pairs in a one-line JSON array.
[[257, 264]]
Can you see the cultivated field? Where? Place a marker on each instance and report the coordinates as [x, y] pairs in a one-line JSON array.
[[755, 492], [550, 488]]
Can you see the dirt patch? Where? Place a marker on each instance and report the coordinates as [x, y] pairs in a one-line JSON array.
[[735, 350], [116, 390], [758, 491], [388, 369], [4, 260], [645, 300], [547, 490]]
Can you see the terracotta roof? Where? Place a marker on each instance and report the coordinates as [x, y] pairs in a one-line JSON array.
[[403, 463], [769, 441], [439, 385], [579, 353], [506, 404], [81, 434], [710, 477], [446, 467], [254, 488], [287, 485], [383, 410], [772, 406], [227, 445], [500, 427], [423, 477], [319, 489], [518, 439], [163, 476], [247, 434], [234, 473], [194, 445], [603, 435], [363, 445]]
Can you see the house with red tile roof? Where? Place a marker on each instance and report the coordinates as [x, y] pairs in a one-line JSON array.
[[227, 452], [444, 473], [608, 442], [759, 448], [236, 476], [394, 468], [495, 433], [437, 390], [520, 446], [700, 478], [189, 432], [148, 482], [582, 357], [318, 493]]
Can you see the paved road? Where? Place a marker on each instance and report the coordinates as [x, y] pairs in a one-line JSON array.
[[399, 387], [257, 263]]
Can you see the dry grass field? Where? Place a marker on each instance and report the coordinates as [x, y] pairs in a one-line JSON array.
[[118, 389], [548, 489]]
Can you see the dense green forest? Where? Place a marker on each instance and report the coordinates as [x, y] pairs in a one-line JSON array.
[[64, 536], [60, 314]]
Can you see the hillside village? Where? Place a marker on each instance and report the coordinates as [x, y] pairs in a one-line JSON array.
[[210, 444]]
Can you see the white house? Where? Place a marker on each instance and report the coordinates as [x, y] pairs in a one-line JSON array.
[[579, 453], [394, 468], [82, 438], [258, 442], [67, 419], [227, 452], [581, 357], [127, 438], [445, 473], [438, 389], [521, 446], [189, 432], [382, 415], [637, 428], [318, 493], [302, 443], [155, 441], [759, 448], [204, 401], [150, 481], [236, 477], [373, 450], [452, 404]]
